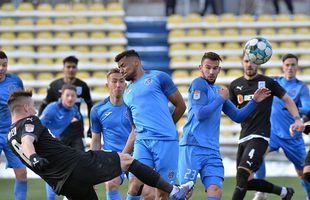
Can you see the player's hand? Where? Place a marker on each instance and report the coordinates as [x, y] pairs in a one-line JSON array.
[[261, 94], [224, 93], [297, 126], [37, 162]]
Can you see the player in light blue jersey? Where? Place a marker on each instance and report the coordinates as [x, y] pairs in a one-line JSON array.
[[292, 143], [111, 118], [9, 83], [63, 119], [199, 146], [147, 96]]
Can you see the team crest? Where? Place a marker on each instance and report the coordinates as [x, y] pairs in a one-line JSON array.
[[78, 90], [171, 175], [29, 128], [196, 95], [261, 84], [148, 81], [240, 98]]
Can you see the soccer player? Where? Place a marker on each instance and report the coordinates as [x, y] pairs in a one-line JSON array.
[[147, 96], [199, 146], [292, 143], [306, 170], [64, 120], [111, 118], [8, 84], [70, 68], [72, 172], [255, 132]]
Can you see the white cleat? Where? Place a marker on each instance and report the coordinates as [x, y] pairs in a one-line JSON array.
[[182, 191], [260, 196]]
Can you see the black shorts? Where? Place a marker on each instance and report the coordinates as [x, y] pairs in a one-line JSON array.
[[250, 153], [307, 160], [94, 167]]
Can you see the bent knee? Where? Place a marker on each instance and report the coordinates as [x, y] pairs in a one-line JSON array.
[[20, 174], [135, 186], [214, 191], [112, 185]]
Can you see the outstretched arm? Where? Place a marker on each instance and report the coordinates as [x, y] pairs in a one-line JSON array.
[[27, 145], [130, 141], [292, 108]]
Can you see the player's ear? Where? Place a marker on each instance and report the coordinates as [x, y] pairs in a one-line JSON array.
[[200, 67]]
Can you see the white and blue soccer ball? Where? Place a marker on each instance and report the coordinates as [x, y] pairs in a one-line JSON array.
[[258, 50]]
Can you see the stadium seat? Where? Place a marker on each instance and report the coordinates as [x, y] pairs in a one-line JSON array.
[[61, 7], [99, 60], [179, 73], [195, 73], [176, 33], [84, 60], [177, 47], [59, 74], [275, 57], [177, 59], [230, 32], [228, 17], [300, 17], [48, 76], [80, 35], [117, 48], [45, 49], [25, 22], [288, 45], [234, 72], [80, 20], [83, 74], [304, 44], [303, 31], [8, 36], [283, 18], [62, 21], [114, 7], [100, 74], [225, 120], [44, 21], [62, 48], [25, 6], [26, 76], [196, 46], [99, 49], [96, 7], [62, 35], [96, 20], [175, 19], [248, 32], [7, 7], [26, 48], [81, 48], [78, 7], [212, 32], [222, 73], [273, 71], [8, 21], [213, 46], [115, 20], [195, 59], [115, 34], [193, 18], [45, 7], [42, 91], [44, 35], [306, 71], [233, 58], [211, 19], [246, 18], [304, 57], [285, 31], [232, 45], [7, 48], [183, 89], [100, 89], [265, 18], [45, 61], [195, 33], [267, 31], [25, 35]]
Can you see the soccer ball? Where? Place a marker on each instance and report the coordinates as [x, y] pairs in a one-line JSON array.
[[258, 50]]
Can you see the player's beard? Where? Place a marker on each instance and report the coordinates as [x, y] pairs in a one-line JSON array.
[[251, 72]]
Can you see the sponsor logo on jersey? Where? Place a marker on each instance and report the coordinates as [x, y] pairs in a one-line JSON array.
[[29, 128], [196, 95], [148, 81], [239, 87], [261, 84], [240, 98]]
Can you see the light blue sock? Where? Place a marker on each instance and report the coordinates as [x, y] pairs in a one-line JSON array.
[[113, 195], [50, 194], [213, 198], [261, 172], [20, 190], [306, 185], [129, 197]]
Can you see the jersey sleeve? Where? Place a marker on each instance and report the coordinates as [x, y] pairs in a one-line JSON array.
[[96, 126], [32, 126], [166, 83], [238, 115], [276, 89], [20, 83], [47, 115], [77, 114], [304, 108]]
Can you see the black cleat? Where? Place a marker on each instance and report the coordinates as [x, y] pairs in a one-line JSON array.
[[290, 193]]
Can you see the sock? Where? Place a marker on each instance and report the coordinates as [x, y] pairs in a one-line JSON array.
[[306, 186], [283, 192], [50, 194], [148, 176], [263, 186], [20, 190], [242, 182], [261, 172], [129, 197], [213, 198], [113, 195]]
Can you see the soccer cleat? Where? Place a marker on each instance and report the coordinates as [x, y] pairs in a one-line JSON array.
[[290, 193], [182, 191], [260, 196]]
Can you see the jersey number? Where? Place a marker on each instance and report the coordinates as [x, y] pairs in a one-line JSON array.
[[190, 174], [251, 153]]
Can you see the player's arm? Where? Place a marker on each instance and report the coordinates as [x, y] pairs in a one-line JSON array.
[[96, 128], [304, 107], [95, 143], [27, 145], [177, 100], [88, 100], [130, 141]]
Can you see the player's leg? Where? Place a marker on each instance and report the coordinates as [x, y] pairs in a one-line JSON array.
[[306, 175], [112, 186], [148, 193], [50, 194]]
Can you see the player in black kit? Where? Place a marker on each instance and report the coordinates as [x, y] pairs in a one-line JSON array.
[[68, 171], [255, 132]]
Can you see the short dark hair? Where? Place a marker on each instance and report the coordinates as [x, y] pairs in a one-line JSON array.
[[112, 71], [3, 55], [70, 59], [212, 56], [68, 87], [127, 53], [289, 55], [16, 97]]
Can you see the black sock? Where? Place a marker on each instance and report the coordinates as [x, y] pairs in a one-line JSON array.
[[148, 176], [263, 186], [242, 182], [307, 176]]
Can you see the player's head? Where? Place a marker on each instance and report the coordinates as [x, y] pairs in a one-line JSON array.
[[3, 65], [116, 83], [210, 66], [128, 63], [21, 103], [290, 65], [70, 64], [250, 69], [68, 95]]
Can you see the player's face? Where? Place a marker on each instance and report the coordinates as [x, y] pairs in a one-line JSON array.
[[249, 68], [116, 84], [210, 69], [128, 67], [3, 68], [290, 67], [68, 98], [70, 69]]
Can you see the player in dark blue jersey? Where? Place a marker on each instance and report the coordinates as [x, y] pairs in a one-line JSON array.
[[8, 84], [292, 143], [199, 146], [63, 119], [255, 132], [147, 96], [111, 118]]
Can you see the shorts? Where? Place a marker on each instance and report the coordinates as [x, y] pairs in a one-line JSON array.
[[161, 155], [94, 167], [12, 160], [294, 149], [250, 153], [207, 162]]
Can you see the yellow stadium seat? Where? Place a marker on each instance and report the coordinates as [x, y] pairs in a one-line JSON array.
[[80, 35], [304, 44], [193, 18], [45, 76], [26, 48], [42, 91], [222, 73], [176, 33], [100, 74], [183, 89], [214, 46], [226, 121], [45, 49], [62, 48], [7, 22], [114, 7], [27, 76], [26, 7], [12, 62], [212, 32], [304, 57], [285, 31], [177, 59], [177, 47], [306, 71], [274, 44], [96, 20], [80, 48], [195, 33], [288, 45], [248, 32], [44, 35], [273, 71], [234, 72], [116, 34], [7, 7], [96, 7], [196, 46], [117, 48], [25, 22], [303, 31], [84, 60], [195, 58], [180, 73], [230, 32], [228, 17], [101, 89], [25, 35], [211, 18], [8, 36], [62, 35], [267, 31], [283, 18], [8, 48], [44, 21], [246, 18], [232, 45], [62, 21], [80, 20], [61, 7], [275, 57], [115, 20], [99, 60], [79, 7], [45, 61], [301, 17], [59, 74], [181, 123], [175, 19], [99, 49], [265, 18], [233, 58], [83, 75], [45, 7], [195, 73]]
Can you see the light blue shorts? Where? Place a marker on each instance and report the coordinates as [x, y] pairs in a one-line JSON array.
[[207, 162], [12, 160], [161, 155], [294, 149]]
